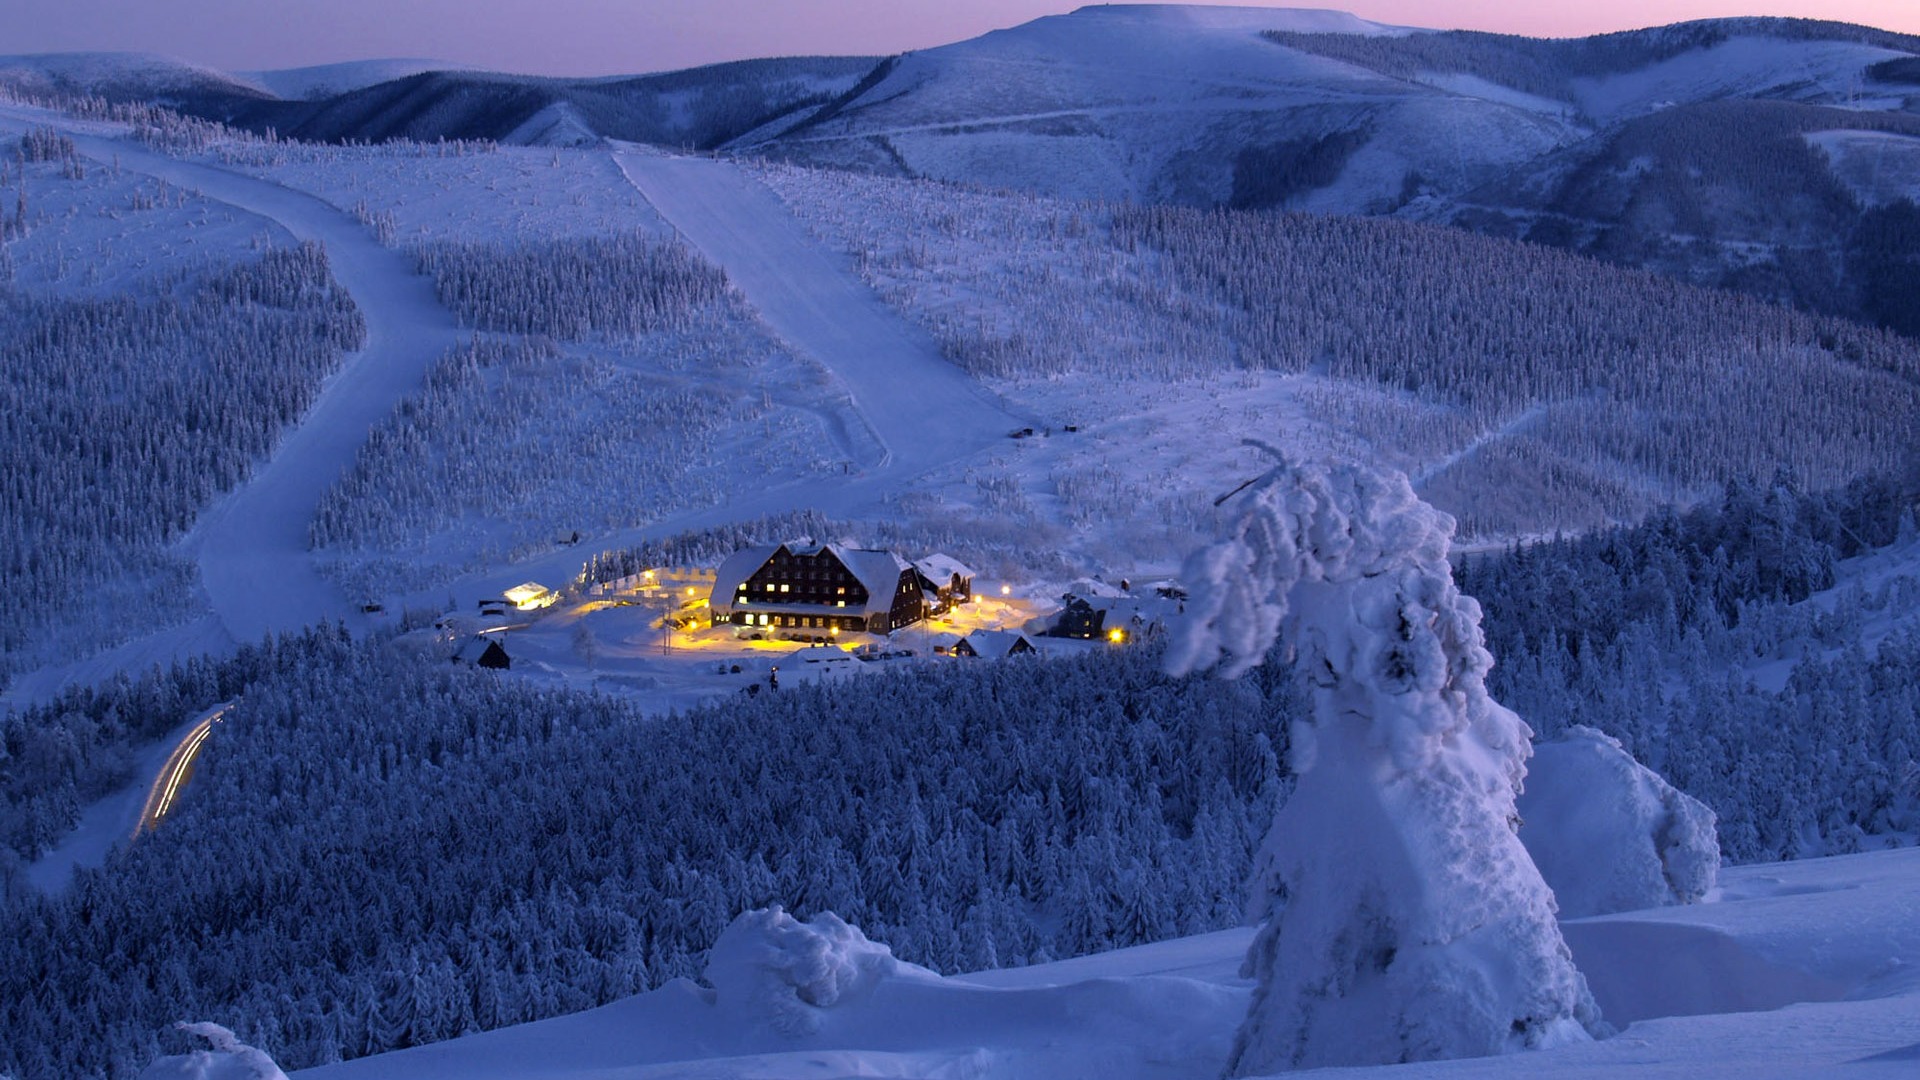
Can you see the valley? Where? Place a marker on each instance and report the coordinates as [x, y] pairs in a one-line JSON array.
[[385, 432]]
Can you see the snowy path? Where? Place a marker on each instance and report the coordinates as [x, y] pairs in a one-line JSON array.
[[919, 411], [251, 545], [114, 818], [924, 411]]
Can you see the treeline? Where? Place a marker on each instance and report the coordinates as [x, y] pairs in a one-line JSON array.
[[574, 289], [969, 815], [377, 853], [1547, 67], [125, 418], [1688, 639], [1679, 386], [502, 429]]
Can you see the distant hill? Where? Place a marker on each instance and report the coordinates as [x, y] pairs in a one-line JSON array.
[[698, 108], [1777, 156], [376, 100], [123, 77], [328, 80]]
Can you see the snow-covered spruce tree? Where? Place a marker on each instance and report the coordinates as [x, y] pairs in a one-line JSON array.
[[1404, 920]]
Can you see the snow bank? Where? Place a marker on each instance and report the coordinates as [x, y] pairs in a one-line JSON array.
[[230, 1059], [784, 973], [1405, 921], [1609, 834]]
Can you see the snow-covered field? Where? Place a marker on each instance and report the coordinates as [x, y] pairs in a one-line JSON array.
[[1794, 970]]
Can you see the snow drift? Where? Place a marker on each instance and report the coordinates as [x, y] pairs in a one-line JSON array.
[[781, 972], [1609, 834], [1405, 920], [230, 1059]]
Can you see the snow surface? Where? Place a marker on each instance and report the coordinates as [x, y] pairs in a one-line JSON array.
[[146, 75], [1155, 102], [251, 546], [229, 1059], [328, 80], [1828, 948], [1826, 72], [1878, 167], [111, 820], [1609, 834]]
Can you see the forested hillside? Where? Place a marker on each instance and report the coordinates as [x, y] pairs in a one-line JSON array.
[[381, 851], [1525, 389], [126, 416]]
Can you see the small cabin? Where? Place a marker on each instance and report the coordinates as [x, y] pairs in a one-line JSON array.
[[945, 582], [994, 644], [530, 596], [482, 651]]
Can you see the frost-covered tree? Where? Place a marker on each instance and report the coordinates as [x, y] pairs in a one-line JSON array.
[[1404, 920]]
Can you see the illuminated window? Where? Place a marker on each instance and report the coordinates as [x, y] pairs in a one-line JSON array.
[[842, 590], [784, 587], [839, 603]]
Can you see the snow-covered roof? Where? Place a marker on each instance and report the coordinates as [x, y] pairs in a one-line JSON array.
[[734, 572], [476, 647], [995, 644], [942, 568], [520, 594], [879, 571], [1090, 589]]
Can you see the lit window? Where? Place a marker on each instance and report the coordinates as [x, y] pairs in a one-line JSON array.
[[784, 587], [839, 603], [842, 590]]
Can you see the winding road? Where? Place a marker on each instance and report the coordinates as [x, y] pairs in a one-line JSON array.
[[251, 545]]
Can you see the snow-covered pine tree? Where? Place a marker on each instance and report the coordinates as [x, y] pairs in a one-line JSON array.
[[1404, 919]]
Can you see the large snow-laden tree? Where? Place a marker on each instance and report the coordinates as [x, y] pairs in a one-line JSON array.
[[1404, 920]]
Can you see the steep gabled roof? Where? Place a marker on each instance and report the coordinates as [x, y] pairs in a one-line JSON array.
[[995, 644], [734, 571], [879, 571], [476, 648], [941, 568]]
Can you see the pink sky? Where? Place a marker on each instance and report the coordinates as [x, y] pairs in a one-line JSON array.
[[599, 37]]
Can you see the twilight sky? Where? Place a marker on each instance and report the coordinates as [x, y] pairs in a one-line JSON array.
[[604, 37]]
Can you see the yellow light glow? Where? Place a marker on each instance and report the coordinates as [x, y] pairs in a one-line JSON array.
[[1116, 635], [1006, 590]]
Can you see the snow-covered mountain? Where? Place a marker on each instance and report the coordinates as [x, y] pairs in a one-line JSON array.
[[330, 80], [161, 80], [1170, 104]]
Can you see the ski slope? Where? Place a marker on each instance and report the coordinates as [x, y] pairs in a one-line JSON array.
[[923, 410], [1792, 970], [251, 545]]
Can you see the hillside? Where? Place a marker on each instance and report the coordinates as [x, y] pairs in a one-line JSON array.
[[1724, 152]]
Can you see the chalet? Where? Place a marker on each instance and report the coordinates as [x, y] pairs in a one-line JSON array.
[[1117, 619], [484, 652], [816, 590], [994, 644], [530, 596], [945, 580]]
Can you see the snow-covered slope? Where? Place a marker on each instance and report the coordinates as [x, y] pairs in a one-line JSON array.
[[1792, 970], [119, 76], [327, 80], [1163, 102]]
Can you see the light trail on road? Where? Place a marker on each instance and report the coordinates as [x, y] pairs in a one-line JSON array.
[[166, 784]]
